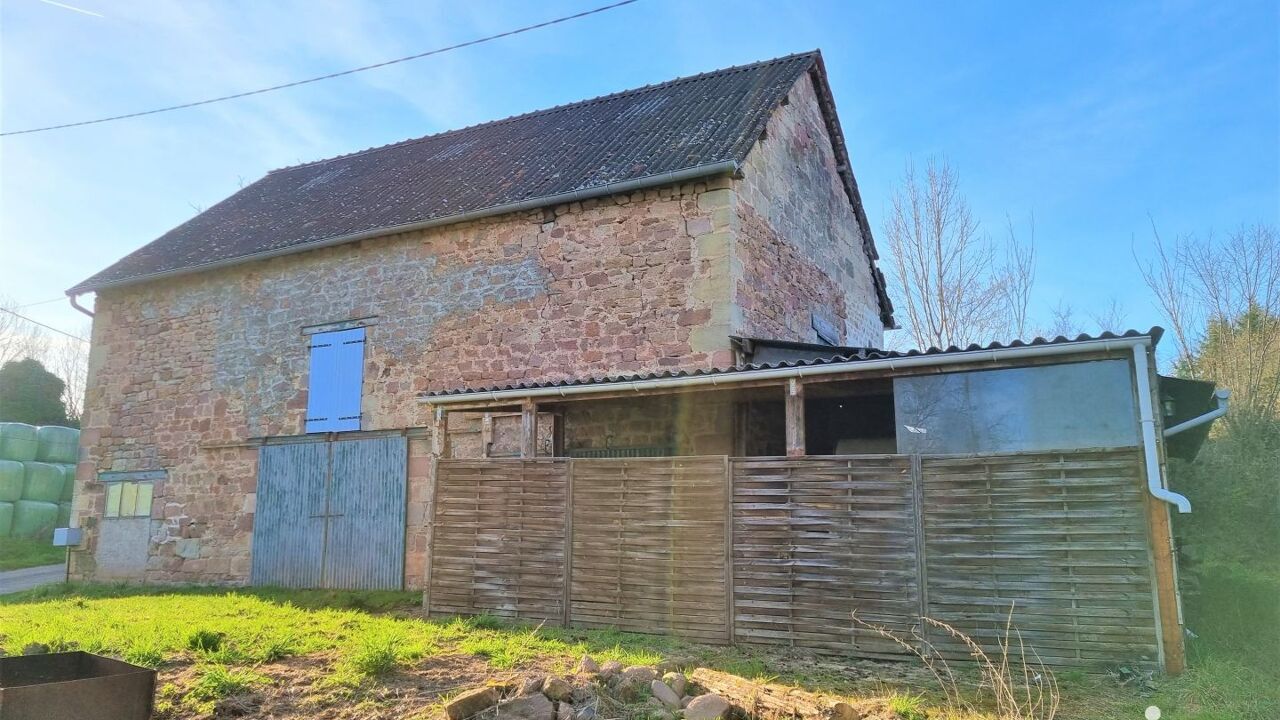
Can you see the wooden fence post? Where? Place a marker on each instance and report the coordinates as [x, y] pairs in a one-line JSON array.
[[922, 564], [431, 534], [728, 550], [568, 544]]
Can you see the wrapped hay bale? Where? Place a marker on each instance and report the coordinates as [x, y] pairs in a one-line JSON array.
[[33, 518], [12, 476], [18, 441], [43, 482], [56, 444], [68, 482], [6, 518], [64, 514]]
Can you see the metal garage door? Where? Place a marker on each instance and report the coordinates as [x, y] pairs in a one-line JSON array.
[[331, 514]]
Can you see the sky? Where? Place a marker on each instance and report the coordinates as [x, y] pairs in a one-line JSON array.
[[1096, 119]]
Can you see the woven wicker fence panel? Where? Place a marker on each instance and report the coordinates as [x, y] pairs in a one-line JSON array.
[[818, 540], [1060, 539], [649, 540], [498, 542]]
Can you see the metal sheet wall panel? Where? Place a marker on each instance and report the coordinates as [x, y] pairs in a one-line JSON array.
[[288, 527], [365, 544]]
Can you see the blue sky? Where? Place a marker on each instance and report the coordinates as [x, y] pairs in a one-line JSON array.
[[1095, 117]]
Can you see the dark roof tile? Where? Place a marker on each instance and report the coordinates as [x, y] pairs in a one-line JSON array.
[[704, 120]]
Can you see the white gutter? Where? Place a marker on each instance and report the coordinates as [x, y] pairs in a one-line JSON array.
[[1222, 396], [1138, 345], [727, 167]]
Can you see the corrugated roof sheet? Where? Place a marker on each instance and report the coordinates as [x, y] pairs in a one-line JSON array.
[[686, 123], [1154, 333]]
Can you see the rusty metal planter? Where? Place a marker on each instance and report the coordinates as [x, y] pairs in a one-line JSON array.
[[74, 686]]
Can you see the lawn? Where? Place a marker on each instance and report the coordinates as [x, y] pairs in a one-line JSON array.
[[371, 655], [18, 553]]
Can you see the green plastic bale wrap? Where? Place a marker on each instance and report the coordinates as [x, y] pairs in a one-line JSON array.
[[32, 518], [18, 441], [43, 482], [68, 482], [12, 476], [64, 514], [55, 444], [6, 518]]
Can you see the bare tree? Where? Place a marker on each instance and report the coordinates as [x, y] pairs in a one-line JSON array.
[[1222, 301], [18, 338], [69, 360], [1064, 322], [953, 286], [1019, 277]]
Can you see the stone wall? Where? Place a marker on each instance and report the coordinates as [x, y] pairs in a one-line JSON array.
[[798, 246], [687, 423], [181, 366]]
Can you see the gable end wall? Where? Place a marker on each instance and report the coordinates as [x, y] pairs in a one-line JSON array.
[[799, 249]]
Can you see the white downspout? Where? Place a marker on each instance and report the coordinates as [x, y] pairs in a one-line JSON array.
[[1222, 396], [1155, 484]]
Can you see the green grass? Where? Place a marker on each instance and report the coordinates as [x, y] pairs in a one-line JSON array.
[[907, 707], [224, 637], [368, 630], [19, 553]]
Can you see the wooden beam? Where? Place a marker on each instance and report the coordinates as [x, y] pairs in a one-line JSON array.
[[770, 701], [1163, 555], [440, 433], [795, 418], [529, 429], [486, 434], [1175, 658]]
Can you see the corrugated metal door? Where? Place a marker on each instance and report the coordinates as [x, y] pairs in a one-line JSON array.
[[289, 521], [331, 515], [365, 549]]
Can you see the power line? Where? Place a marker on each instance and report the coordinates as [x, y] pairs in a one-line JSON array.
[[42, 302], [47, 327], [330, 76]]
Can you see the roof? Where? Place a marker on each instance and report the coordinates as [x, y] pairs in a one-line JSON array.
[[688, 127], [1155, 333]]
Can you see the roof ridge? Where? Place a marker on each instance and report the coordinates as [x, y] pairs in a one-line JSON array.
[[553, 109]]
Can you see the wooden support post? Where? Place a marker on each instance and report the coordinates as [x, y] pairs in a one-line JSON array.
[[529, 429], [440, 433], [486, 434], [557, 433], [795, 418], [1161, 537], [1163, 554]]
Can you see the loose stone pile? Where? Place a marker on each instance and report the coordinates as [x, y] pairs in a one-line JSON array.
[[655, 693]]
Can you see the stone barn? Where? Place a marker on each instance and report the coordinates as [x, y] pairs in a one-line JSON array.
[[616, 363]]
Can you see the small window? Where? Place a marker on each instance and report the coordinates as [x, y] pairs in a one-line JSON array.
[[337, 374], [129, 499]]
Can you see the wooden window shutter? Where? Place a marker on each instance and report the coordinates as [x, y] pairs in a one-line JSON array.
[[337, 374]]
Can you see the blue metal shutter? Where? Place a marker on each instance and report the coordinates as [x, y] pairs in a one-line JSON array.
[[337, 374], [350, 344]]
